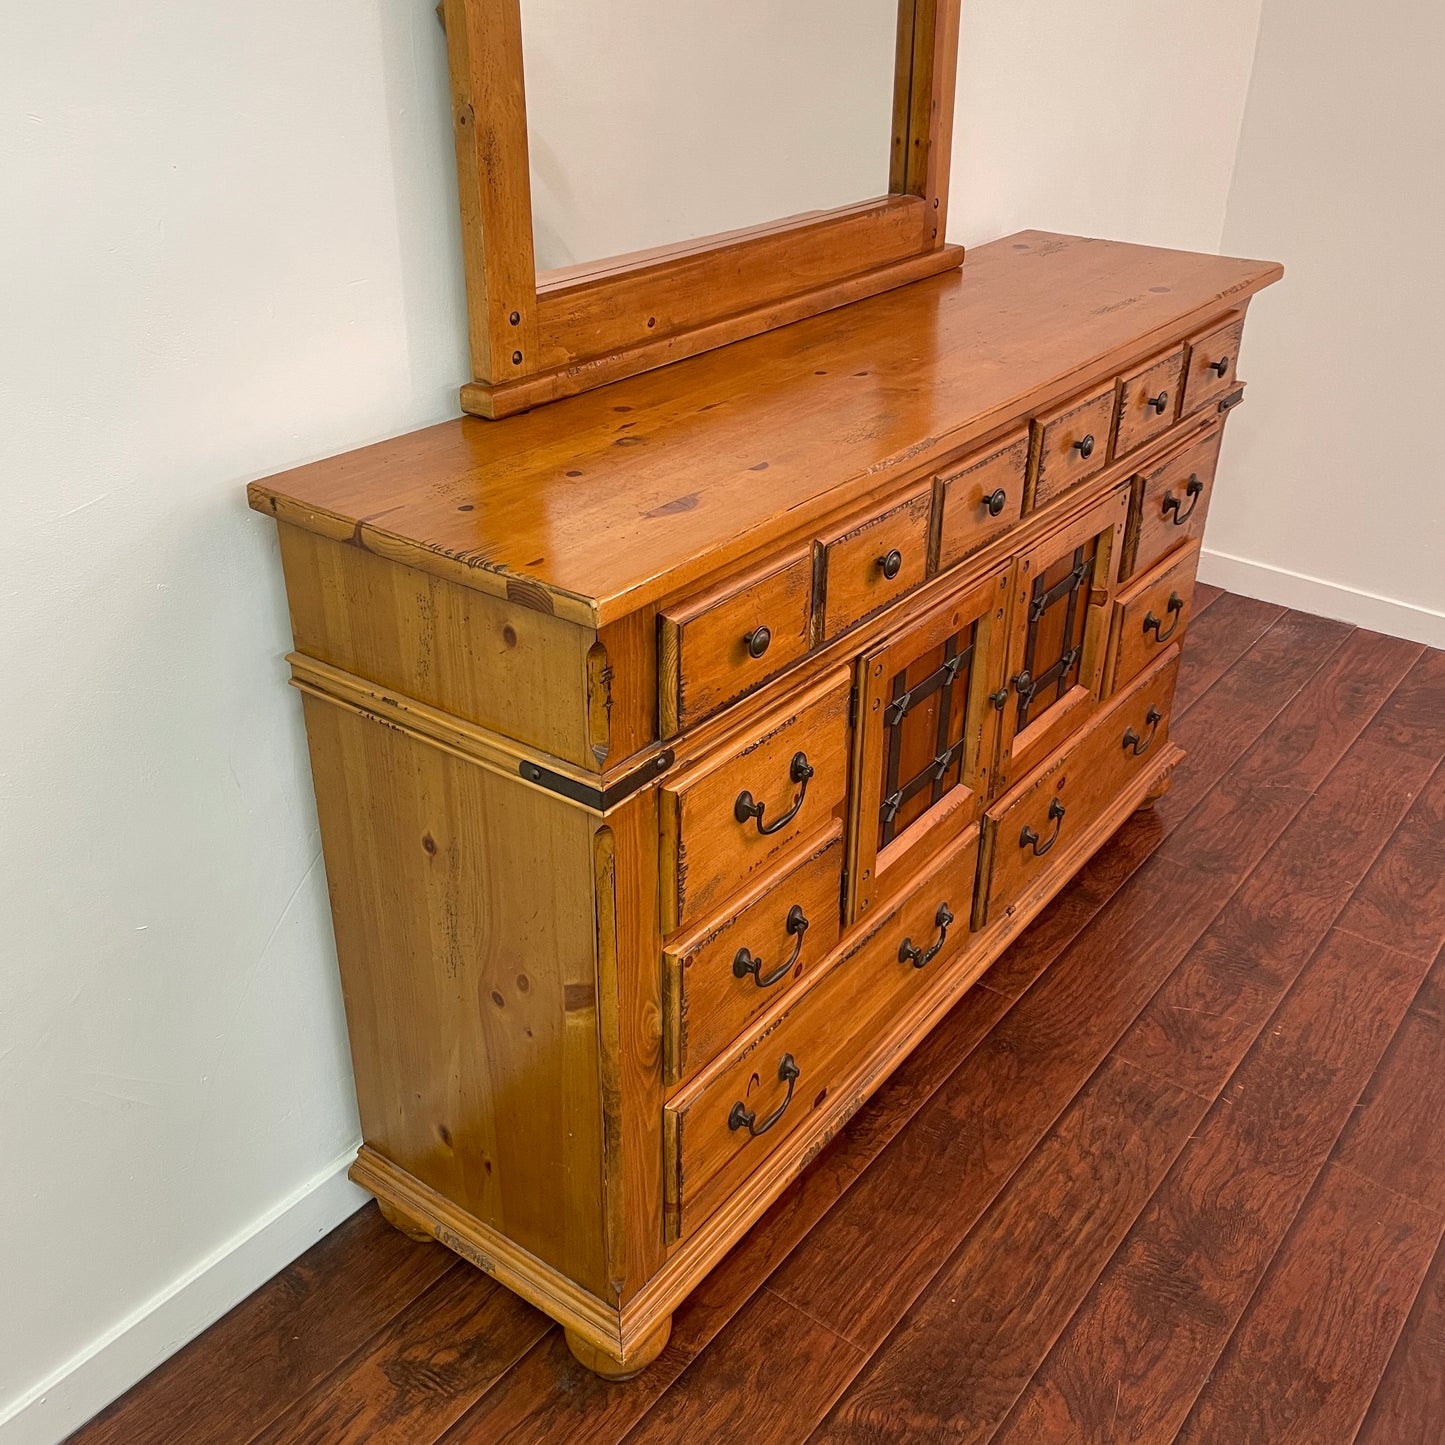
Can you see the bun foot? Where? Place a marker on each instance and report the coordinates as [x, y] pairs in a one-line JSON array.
[[1156, 792], [636, 1360], [404, 1222]]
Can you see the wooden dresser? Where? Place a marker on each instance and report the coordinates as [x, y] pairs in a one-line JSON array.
[[684, 750]]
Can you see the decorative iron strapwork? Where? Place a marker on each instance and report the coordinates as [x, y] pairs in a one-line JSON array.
[[1061, 674], [949, 683]]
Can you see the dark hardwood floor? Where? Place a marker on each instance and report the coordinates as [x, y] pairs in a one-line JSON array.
[[1174, 1170]]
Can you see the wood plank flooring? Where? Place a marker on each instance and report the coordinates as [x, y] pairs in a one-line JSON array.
[[1174, 1170]]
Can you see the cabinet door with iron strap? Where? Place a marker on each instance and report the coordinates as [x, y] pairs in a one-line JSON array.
[[1063, 589], [926, 734]]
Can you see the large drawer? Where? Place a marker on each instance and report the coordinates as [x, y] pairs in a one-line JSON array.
[[727, 1122], [1033, 828], [718, 978], [714, 648], [1150, 613], [1171, 501], [728, 817]]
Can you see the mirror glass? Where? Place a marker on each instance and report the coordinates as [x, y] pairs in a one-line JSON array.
[[652, 122]]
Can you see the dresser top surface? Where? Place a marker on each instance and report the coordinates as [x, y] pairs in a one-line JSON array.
[[597, 505]]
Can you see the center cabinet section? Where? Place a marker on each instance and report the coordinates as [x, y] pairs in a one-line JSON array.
[[729, 816], [1063, 590], [926, 734]]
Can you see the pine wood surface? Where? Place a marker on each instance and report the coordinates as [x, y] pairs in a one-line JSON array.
[[602, 503], [1175, 1169]]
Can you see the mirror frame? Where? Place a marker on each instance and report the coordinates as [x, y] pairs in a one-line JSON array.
[[536, 338]]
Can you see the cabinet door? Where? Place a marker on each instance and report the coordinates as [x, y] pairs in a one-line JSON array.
[[926, 735], [1063, 588]]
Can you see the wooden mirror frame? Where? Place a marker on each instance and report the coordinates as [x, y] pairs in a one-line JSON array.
[[535, 338]]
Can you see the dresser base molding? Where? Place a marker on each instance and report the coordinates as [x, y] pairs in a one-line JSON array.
[[618, 1342]]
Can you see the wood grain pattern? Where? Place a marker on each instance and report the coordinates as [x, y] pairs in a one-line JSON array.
[[1071, 444], [1172, 502], [1410, 1402], [967, 1346], [1166, 1305], [1307, 1357], [419, 1373], [1150, 614], [969, 509], [594, 511]]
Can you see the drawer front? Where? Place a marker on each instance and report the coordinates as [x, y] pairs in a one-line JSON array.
[[1071, 444], [1033, 829], [731, 816], [716, 648], [1171, 502], [726, 972], [1148, 402], [726, 1124], [1211, 362], [1151, 613], [873, 561], [980, 499]]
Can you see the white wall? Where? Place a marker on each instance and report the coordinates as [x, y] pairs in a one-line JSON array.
[[227, 244], [1116, 118], [1332, 493]]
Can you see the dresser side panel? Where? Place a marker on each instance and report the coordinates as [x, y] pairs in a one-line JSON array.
[[463, 904]]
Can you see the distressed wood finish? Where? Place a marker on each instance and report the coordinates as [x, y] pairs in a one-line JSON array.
[[1171, 502], [1148, 402], [1151, 613], [599, 855], [1210, 364]]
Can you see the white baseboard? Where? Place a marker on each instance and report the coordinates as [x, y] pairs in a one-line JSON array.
[[129, 1351], [1324, 599]]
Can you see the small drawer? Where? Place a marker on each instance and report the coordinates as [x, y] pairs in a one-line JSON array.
[[1171, 502], [1036, 828], [1071, 444], [872, 561], [727, 818], [1209, 369], [1148, 402], [736, 1114], [715, 648], [981, 498], [722, 975], [1152, 612]]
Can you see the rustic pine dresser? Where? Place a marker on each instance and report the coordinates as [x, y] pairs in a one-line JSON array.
[[684, 749]]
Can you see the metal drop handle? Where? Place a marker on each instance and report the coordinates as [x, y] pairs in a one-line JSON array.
[[1192, 490], [1029, 839], [1154, 624], [1133, 743], [909, 952], [800, 770], [744, 963], [741, 1117]]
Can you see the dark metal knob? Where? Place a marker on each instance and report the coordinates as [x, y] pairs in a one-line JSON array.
[[1159, 403], [1220, 367], [1085, 448], [892, 564], [758, 640], [996, 501]]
